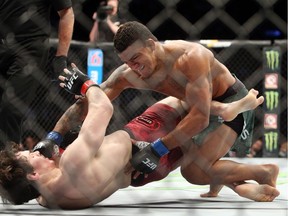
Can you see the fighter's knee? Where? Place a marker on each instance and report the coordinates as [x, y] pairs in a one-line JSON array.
[[195, 175], [187, 175]]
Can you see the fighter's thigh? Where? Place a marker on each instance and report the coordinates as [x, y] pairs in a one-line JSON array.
[[215, 145], [191, 168], [199, 158]]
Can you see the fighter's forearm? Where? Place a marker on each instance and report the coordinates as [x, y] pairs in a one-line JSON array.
[[193, 123], [72, 118], [65, 31]]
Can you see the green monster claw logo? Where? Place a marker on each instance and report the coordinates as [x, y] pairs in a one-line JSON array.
[[272, 57], [272, 99], [271, 141]]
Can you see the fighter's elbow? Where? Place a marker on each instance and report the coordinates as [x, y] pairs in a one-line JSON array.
[[107, 108], [110, 108]]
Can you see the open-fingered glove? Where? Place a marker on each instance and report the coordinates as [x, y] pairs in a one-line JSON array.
[[147, 159], [76, 82]]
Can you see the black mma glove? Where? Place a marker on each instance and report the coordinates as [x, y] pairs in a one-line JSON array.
[[49, 147], [147, 159], [77, 82], [140, 144], [58, 64], [103, 11]]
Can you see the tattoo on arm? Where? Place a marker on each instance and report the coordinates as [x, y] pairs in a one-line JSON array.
[[72, 118]]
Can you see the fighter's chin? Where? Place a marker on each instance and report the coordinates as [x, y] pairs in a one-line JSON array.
[[145, 74]]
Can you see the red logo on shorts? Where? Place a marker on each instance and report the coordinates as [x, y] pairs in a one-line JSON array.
[[149, 122]]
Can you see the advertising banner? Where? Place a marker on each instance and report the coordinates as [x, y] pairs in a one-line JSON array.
[[272, 70]]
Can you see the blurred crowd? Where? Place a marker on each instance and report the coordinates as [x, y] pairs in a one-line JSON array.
[[257, 149]]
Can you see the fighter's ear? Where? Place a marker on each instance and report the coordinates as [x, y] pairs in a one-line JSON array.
[[34, 176], [150, 43]]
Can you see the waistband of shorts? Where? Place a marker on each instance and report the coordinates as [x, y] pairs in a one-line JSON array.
[[129, 132], [232, 90]]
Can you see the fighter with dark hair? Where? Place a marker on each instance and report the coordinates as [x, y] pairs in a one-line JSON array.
[[190, 72]]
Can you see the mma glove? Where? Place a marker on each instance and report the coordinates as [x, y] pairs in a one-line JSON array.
[[58, 64], [77, 82], [49, 147], [147, 159]]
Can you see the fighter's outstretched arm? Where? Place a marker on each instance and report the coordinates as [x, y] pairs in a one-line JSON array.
[[100, 111]]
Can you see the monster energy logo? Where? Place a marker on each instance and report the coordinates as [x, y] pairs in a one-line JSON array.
[[272, 57], [272, 99], [271, 141]]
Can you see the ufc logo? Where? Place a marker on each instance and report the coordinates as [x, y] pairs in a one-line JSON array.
[[71, 81], [149, 164]]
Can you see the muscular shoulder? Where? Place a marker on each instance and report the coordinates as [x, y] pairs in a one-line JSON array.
[[197, 53], [187, 51], [196, 59]]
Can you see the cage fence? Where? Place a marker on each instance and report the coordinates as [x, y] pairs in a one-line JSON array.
[[195, 21], [241, 48], [243, 58]]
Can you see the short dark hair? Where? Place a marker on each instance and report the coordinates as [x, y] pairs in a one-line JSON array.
[[130, 32], [14, 185]]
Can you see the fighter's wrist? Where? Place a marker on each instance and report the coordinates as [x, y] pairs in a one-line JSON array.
[[61, 56], [55, 136], [86, 85], [159, 147]]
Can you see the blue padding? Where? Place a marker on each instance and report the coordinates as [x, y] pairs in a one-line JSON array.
[[159, 147], [55, 136]]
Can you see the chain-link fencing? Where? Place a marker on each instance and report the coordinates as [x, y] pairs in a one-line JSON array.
[[193, 20]]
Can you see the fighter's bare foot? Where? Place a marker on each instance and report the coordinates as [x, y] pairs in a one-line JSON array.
[[249, 102], [259, 193], [214, 191]]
